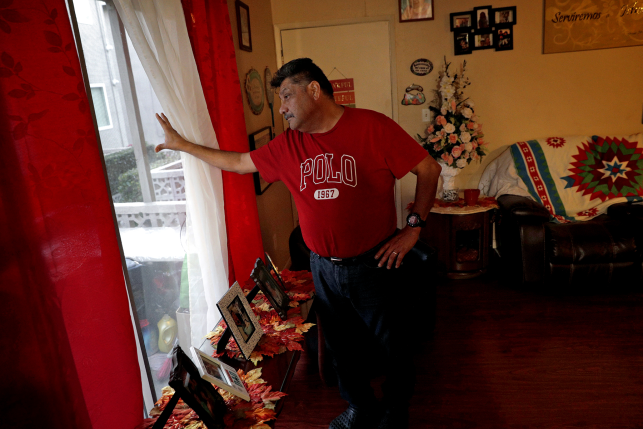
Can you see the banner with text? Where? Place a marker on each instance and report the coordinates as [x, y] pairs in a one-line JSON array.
[[344, 91]]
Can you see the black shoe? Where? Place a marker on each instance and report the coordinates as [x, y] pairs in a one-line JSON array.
[[395, 419], [354, 418]]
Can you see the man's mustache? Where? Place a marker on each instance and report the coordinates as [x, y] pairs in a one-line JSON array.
[[288, 116]]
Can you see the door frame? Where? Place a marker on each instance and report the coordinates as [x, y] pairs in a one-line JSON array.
[[278, 28]]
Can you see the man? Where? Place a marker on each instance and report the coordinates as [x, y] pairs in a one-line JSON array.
[[340, 164]]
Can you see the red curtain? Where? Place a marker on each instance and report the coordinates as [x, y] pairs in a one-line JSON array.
[[210, 33], [68, 349]]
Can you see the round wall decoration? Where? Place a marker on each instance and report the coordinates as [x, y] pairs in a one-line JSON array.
[[255, 91], [421, 67]]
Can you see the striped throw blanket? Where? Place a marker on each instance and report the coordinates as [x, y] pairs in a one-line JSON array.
[[579, 177]]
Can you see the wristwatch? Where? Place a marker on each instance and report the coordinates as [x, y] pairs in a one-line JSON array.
[[414, 220]]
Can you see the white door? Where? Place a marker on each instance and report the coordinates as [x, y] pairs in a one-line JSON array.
[[360, 51]]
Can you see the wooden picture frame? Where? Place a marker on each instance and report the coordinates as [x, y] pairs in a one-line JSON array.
[[219, 374], [272, 267], [197, 393], [241, 320], [461, 20], [483, 40], [415, 10], [243, 26], [256, 140], [504, 38], [269, 286], [505, 16], [462, 43], [483, 17]]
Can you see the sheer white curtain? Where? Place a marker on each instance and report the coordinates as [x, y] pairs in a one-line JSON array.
[[159, 35]]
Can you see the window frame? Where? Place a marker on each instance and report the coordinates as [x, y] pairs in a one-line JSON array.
[[109, 113]]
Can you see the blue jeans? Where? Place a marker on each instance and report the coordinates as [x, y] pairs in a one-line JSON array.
[[358, 305]]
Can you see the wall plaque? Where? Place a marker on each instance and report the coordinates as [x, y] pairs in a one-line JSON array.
[[592, 24], [421, 67]]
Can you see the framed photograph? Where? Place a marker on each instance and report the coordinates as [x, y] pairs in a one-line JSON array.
[[271, 266], [461, 20], [219, 374], [415, 10], [504, 16], [462, 43], [257, 140], [273, 291], [200, 395], [504, 38], [241, 320], [483, 16], [243, 26], [483, 40]]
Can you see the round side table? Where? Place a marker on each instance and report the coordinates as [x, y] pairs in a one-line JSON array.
[[462, 235]]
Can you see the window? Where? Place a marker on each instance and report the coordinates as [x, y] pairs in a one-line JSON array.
[[101, 108]]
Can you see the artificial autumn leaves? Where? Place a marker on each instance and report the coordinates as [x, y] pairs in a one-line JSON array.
[[241, 414], [279, 335]]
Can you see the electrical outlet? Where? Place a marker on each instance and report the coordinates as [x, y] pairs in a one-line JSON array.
[[426, 115]]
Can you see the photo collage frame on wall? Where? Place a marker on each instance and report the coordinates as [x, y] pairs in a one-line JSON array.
[[482, 28]]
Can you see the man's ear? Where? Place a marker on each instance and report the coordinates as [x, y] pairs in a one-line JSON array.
[[315, 89]]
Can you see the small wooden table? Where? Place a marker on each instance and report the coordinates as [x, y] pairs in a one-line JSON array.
[[462, 235]]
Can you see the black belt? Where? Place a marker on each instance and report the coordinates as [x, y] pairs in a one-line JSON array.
[[369, 255]]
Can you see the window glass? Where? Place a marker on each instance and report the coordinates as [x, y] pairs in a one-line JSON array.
[[148, 188]]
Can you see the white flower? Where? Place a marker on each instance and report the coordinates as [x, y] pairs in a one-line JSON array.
[[469, 103], [465, 137], [446, 80], [463, 127], [461, 163], [467, 113], [474, 118], [467, 146], [443, 111], [449, 128], [447, 91]]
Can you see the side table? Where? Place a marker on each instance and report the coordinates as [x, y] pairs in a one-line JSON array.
[[462, 235]]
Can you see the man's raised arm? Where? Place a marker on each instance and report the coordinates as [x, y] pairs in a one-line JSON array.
[[229, 161]]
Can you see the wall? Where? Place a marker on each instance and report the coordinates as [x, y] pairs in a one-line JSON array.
[[520, 94], [274, 205]]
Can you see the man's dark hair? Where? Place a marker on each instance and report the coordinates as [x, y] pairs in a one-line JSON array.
[[302, 71]]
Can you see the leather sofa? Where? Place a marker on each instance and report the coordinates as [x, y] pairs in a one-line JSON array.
[[603, 252]]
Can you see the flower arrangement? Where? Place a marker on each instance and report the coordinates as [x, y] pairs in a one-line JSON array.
[[455, 136]]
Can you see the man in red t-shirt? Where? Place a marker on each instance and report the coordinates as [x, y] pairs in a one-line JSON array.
[[340, 164]]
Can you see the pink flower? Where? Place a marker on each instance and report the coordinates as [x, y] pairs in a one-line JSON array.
[[430, 129], [471, 125], [465, 155], [437, 147], [474, 145], [475, 156], [435, 139], [482, 143], [456, 151], [453, 138], [441, 120], [447, 159], [452, 105]]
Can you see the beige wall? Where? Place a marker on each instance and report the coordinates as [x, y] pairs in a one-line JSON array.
[[520, 94], [275, 211]]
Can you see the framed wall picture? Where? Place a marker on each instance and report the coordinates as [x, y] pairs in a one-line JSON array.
[[483, 40], [273, 290], [483, 16], [504, 38], [462, 43], [255, 91], [504, 16], [243, 26], [257, 140], [415, 10], [461, 20], [241, 320]]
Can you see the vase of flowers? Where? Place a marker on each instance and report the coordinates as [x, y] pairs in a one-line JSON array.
[[455, 137]]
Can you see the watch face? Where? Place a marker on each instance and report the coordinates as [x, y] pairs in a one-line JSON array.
[[414, 220]]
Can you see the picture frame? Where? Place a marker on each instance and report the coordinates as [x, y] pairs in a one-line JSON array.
[[241, 320], [271, 289], [197, 393], [504, 38], [505, 16], [415, 10], [243, 26], [461, 20], [462, 43], [483, 17], [256, 140], [271, 266], [255, 91], [483, 40], [219, 374]]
